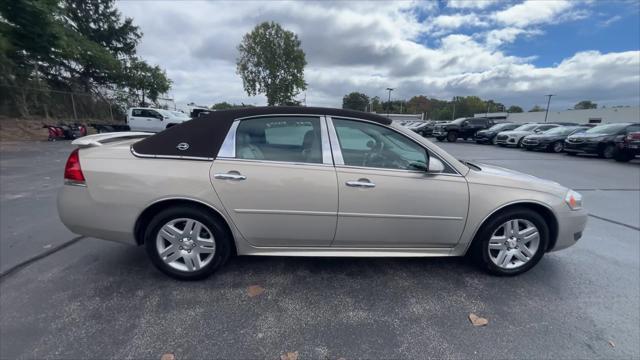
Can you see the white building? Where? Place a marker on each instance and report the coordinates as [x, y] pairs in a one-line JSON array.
[[593, 116]]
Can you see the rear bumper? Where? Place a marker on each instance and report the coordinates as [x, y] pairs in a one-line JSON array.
[[81, 214]]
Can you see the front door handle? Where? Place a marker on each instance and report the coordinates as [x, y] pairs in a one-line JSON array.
[[360, 183], [230, 176]]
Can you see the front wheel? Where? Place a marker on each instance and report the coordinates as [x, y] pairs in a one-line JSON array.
[[512, 242], [557, 147], [520, 143], [452, 136], [187, 243], [608, 151]]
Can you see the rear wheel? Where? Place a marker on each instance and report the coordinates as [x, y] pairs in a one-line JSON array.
[[452, 136], [511, 242], [608, 151], [187, 243]]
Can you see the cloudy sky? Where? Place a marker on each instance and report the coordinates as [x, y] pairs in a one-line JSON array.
[[512, 51]]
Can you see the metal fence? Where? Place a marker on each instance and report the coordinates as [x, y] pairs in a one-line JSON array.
[[55, 105]]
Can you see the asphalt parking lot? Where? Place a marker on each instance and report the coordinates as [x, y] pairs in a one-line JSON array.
[[89, 298]]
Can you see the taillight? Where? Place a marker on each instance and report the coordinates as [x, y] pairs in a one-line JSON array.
[[72, 170]]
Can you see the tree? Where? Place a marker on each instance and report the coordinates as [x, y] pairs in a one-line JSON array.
[[585, 104], [225, 106], [419, 104], [271, 62], [355, 101], [537, 108], [514, 109], [151, 81]]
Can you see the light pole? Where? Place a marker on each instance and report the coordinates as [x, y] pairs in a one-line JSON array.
[[548, 102], [389, 100]]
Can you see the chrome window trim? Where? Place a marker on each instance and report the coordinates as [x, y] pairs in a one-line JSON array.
[[339, 160], [176, 157], [228, 148], [275, 162]]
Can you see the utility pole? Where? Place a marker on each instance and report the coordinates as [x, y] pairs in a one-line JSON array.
[[548, 102], [453, 114], [486, 115], [389, 101]]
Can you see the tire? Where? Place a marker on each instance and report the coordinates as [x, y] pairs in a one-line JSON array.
[[512, 264], [211, 256], [608, 151], [479, 142], [452, 136], [557, 147], [494, 141], [439, 138], [502, 145], [519, 144], [620, 156]]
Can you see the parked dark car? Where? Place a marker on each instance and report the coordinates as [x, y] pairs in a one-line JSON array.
[[463, 128], [627, 147], [488, 136], [425, 129], [551, 140], [600, 140]]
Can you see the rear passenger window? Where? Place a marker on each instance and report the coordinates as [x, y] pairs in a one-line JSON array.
[[287, 138], [136, 112]]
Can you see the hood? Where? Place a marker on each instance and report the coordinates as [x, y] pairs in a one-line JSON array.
[[499, 176], [518, 133], [543, 136], [588, 136]]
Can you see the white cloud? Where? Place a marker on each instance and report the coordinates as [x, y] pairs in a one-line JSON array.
[[360, 46], [532, 12], [471, 4]]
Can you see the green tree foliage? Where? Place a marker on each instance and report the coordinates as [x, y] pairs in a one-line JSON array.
[[271, 62], [355, 101], [72, 45], [225, 106], [537, 108], [585, 104], [435, 109], [515, 109]]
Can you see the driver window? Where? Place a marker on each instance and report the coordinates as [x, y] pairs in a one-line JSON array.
[[370, 145]]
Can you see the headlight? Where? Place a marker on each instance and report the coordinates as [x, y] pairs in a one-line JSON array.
[[573, 200]]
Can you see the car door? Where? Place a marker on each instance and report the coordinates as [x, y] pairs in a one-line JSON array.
[[137, 120], [384, 200], [275, 177]]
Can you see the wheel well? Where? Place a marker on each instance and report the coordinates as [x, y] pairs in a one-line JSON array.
[[170, 125], [151, 211], [546, 214]]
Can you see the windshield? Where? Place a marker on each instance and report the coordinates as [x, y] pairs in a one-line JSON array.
[[500, 126], [606, 129], [526, 127], [563, 130]]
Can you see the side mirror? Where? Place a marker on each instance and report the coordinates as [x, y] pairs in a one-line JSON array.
[[435, 166]]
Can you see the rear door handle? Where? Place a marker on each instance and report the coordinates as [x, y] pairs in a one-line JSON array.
[[230, 176], [360, 183]]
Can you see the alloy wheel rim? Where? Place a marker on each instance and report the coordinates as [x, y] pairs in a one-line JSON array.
[[185, 244], [608, 151], [557, 147], [514, 243]]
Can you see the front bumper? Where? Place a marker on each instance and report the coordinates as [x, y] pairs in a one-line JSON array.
[[439, 133], [583, 147], [535, 145], [483, 138], [510, 140], [571, 225]]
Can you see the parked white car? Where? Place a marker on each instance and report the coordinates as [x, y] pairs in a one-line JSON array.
[[305, 181], [153, 120], [514, 137]]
